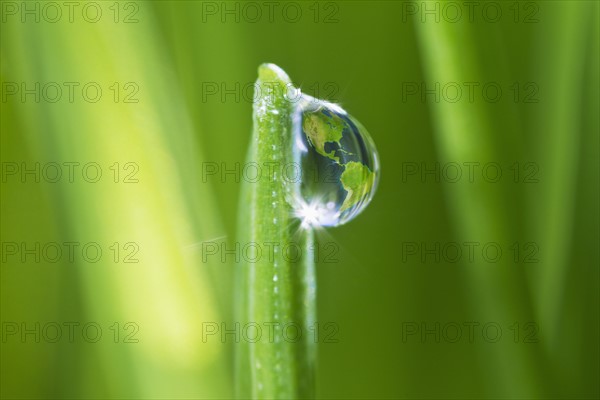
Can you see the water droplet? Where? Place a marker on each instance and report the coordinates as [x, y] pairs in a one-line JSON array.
[[275, 278], [338, 161]]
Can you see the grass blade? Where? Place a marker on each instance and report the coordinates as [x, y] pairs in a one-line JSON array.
[[278, 290]]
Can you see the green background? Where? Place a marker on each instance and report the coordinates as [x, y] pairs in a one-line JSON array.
[[365, 55]]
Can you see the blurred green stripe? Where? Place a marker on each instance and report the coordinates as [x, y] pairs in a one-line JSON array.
[[466, 133], [167, 293]]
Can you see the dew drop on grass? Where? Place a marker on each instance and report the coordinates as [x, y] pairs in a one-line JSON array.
[[338, 162]]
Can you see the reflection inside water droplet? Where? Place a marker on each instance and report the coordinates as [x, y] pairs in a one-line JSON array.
[[338, 161]]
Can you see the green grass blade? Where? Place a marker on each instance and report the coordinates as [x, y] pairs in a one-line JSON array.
[[467, 132], [277, 291]]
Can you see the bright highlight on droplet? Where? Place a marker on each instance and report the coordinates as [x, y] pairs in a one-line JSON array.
[[314, 214], [339, 164]]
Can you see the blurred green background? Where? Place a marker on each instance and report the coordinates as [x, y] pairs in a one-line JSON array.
[[414, 318]]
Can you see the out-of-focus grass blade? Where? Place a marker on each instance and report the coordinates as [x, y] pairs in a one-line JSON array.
[[165, 294], [562, 283], [557, 136], [466, 134]]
